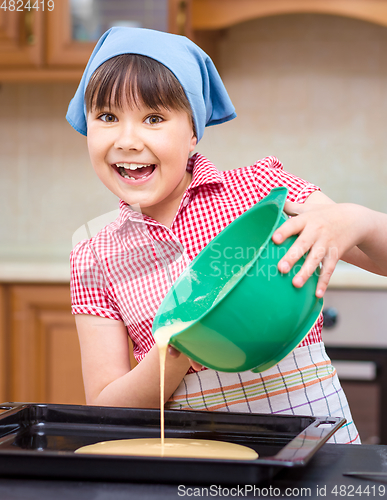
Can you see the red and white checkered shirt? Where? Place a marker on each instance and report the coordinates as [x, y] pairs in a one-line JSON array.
[[124, 272]]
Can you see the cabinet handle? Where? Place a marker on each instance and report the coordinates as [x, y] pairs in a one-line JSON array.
[[181, 17], [29, 27]]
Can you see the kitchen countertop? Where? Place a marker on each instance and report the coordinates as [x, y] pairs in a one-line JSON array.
[[345, 275], [323, 474], [348, 276], [34, 272]]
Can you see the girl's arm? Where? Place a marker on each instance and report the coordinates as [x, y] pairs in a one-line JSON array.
[[107, 375], [332, 232]]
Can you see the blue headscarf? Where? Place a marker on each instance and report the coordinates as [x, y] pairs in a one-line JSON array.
[[193, 68]]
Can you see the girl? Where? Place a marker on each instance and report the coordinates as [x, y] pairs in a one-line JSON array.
[[143, 102]]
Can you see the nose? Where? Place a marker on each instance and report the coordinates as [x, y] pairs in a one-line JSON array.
[[129, 138]]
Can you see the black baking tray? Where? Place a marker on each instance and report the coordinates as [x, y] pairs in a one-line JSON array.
[[38, 440]]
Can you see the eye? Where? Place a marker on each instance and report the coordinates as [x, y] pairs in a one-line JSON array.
[[107, 117], [153, 119]]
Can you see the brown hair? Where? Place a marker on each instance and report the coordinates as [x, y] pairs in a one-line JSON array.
[[135, 79]]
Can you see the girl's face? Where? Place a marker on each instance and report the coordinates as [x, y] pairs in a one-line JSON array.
[[141, 155]]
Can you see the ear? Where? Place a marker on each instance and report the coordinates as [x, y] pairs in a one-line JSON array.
[[194, 141]]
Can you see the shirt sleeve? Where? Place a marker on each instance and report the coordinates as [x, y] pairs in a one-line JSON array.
[[89, 285], [270, 174]]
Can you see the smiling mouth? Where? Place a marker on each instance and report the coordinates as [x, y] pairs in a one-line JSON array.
[[135, 171]]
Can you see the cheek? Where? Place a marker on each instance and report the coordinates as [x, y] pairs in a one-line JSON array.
[[95, 147], [185, 142]]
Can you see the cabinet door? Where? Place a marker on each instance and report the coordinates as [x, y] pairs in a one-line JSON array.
[[21, 40], [62, 49], [45, 363], [74, 27], [3, 346]]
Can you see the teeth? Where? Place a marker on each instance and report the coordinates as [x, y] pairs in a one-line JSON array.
[[133, 166], [123, 174]]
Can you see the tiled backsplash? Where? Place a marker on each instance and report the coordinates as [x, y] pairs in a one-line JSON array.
[[309, 89]]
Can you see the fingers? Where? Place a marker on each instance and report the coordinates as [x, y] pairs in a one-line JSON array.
[[174, 353], [320, 252], [292, 208], [290, 227], [293, 225], [312, 261], [315, 241], [196, 366], [325, 232], [322, 284], [299, 247], [311, 266]]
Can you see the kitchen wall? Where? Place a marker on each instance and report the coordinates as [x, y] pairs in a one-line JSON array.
[[309, 89], [47, 186]]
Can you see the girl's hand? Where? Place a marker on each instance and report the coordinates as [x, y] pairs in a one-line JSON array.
[[327, 230], [175, 354]]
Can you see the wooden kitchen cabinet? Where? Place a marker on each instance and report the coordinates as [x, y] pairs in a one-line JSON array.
[[37, 46], [41, 345], [39, 350], [220, 14], [21, 43], [62, 50]]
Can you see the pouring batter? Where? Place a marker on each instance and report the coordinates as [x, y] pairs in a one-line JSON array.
[[170, 447]]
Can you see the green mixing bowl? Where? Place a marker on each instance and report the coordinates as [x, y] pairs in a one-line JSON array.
[[231, 309]]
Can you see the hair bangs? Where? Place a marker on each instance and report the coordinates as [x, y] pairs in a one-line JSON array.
[[132, 79]]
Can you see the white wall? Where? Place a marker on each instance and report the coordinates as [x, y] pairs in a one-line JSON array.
[[47, 185], [311, 90]]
